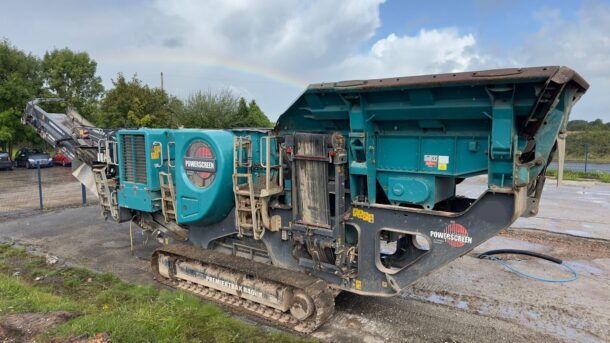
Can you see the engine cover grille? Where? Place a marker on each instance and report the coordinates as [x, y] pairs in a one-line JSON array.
[[134, 158]]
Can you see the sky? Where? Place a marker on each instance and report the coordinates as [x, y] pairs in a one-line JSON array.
[[270, 50]]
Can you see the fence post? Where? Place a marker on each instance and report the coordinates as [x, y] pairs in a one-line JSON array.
[[84, 193], [586, 155], [39, 183]]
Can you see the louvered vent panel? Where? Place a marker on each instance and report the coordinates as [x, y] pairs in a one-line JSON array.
[[134, 158]]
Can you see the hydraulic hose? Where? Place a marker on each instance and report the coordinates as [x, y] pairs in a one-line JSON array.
[[521, 252], [490, 255]]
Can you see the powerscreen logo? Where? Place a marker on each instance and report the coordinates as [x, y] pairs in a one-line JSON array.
[[456, 235], [200, 164]]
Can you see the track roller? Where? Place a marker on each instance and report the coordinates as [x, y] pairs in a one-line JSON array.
[[302, 305]]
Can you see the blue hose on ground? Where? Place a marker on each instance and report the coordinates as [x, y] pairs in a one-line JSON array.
[[489, 255]]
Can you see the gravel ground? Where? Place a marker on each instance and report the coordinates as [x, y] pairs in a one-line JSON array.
[[467, 300]]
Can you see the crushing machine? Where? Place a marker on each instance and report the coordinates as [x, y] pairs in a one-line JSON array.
[[353, 190]]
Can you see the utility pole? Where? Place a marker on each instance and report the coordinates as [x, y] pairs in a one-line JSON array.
[[162, 81]]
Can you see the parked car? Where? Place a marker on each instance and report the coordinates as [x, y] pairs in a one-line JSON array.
[[5, 161], [61, 160], [30, 157]]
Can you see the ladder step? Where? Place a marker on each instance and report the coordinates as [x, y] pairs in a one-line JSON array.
[[168, 203], [242, 174]]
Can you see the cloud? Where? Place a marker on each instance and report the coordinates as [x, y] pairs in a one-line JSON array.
[[172, 43], [582, 44], [319, 40], [427, 52], [289, 35]]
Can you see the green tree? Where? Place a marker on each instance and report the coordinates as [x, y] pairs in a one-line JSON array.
[[258, 116], [221, 110], [242, 116], [597, 124], [132, 104], [577, 125], [72, 76], [20, 81], [209, 109], [249, 115], [595, 134]]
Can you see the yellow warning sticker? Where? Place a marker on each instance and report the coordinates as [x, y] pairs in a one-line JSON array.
[[364, 215], [358, 284], [155, 154], [443, 161]]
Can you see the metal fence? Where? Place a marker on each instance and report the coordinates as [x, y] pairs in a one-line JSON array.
[[24, 190]]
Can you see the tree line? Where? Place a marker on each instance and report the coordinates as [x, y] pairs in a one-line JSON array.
[[72, 76], [583, 125], [594, 135]]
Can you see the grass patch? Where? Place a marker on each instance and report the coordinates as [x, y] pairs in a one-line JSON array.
[[581, 175], [17, 296], [580, 159], [127, 312]]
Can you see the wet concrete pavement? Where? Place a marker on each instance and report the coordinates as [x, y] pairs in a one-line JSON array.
[[579, 208], [467, 300]]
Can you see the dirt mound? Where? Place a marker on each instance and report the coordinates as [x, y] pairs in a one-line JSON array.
[[22, 327]]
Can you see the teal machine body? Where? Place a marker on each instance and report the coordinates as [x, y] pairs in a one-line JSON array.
[[203, 169], [198, 161], [410, 141], [141, 159]]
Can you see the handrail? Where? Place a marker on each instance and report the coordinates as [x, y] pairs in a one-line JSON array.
[[169, 152], [268, 165], [157, 143], [114, 157], [241, 140], [268, 151]]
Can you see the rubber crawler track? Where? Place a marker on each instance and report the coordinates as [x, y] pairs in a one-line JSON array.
[[323, 296]]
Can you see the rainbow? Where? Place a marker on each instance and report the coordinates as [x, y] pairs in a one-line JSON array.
[[205, 60]]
